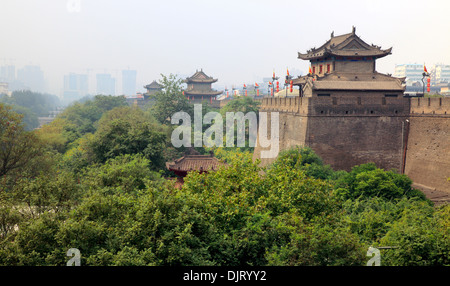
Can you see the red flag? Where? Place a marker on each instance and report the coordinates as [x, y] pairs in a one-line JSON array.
[[425, 68], [256, 84], [245, 86], [288, 72]]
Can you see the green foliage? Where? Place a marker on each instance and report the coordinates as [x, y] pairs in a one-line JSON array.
[[37, 103], [369, 181], [79, 119], [421, 238], [126, 131], [98, 187], [305, 159], [30, 119], [169, 100], [241, 104], [244, 105], [128, 173], [17, 146], [263, 219]]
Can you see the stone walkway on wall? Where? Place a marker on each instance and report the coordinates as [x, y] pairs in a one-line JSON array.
[[436, 196]]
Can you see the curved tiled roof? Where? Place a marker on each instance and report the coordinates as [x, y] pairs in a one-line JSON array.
[[200, 76], [345, 45], [195, 162], [153, 85]]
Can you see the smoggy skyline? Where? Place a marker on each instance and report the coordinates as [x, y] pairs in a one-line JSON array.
[[235, 41]]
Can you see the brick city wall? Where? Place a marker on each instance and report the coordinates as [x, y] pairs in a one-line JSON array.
[[428, 151], [348, 131]]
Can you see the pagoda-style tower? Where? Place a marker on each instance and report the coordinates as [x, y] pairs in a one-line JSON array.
[[199, 87], [346, 65], [152, 88]]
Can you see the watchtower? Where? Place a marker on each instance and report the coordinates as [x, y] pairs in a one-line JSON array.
[[346, 66], [199, 87], [347, 112]]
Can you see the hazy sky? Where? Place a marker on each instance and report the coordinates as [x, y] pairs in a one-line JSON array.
[[236, 41]]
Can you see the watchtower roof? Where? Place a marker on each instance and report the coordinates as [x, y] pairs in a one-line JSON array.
[[347, 45], [200, 77], [153, 85], [195, 162]]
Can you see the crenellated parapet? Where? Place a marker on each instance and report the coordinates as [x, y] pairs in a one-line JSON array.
[[358, 106], [338, 106], [437, 106]]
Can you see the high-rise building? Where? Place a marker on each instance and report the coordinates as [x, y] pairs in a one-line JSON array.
[[412, 72], [106, 84], [8, 73], [75, 86], [32, 78], [129, 82], [441, 74]]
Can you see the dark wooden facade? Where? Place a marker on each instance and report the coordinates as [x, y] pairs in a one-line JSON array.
[[199, 88]]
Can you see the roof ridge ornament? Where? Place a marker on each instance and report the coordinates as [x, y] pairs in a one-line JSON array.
[[353, 30], [332, 34]]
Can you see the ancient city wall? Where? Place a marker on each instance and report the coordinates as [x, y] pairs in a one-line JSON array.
[[292, 123], [349, 131], [430, 106], [344, 131], [406, 134], [428, 146]]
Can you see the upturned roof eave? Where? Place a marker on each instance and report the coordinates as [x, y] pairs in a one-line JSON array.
[[211, 93]]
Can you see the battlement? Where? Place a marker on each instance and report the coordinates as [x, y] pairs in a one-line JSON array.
[[338, 106], [430, 106]]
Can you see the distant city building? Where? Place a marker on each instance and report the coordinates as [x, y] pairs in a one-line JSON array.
[[440, 74], [32, 78], [129, 82], [4, 89], [8, 73], [412, 73], [106, 84], [75, 86]]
